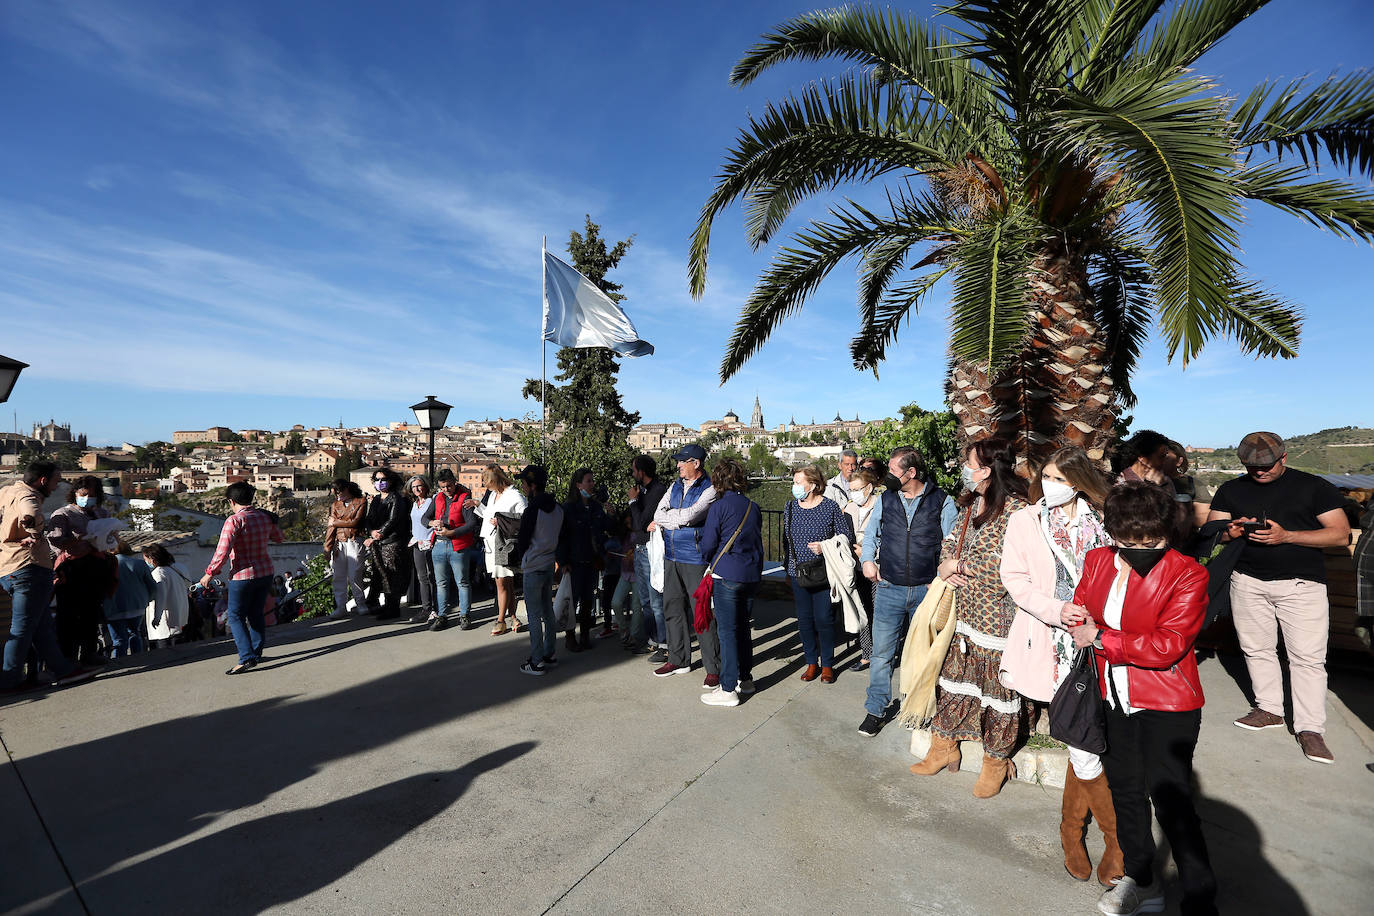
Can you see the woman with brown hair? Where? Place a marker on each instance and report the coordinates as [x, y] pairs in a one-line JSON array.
[[343, 544], [732, 543], [504, 500], [863, 496], [85, 576], [1042, 561], [388, 525], [810, 519], [971, 703]]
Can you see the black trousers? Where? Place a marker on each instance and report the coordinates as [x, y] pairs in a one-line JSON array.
[[422, 564], [1150, 759], [80, 598]]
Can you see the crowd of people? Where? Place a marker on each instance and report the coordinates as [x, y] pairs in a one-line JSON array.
[[1051, 574]]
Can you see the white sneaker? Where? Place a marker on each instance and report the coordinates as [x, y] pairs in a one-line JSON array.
[[1129, 898], [746, 686], [718, 697]]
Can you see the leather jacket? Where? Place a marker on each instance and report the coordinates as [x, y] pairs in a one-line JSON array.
[[1160, 620]]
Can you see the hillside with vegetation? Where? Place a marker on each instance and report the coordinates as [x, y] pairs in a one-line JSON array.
[[1342, 450]]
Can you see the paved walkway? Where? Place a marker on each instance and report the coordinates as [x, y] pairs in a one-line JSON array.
[[378, 768]]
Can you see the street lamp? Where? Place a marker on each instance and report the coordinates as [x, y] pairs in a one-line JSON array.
[[9, 374], [431, 414]]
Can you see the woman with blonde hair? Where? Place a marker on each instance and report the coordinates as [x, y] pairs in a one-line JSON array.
[[810, 519], [863, 496], [503, 500], [1042, 561]]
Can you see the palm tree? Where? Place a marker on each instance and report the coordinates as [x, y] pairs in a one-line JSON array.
[[1062, 166]]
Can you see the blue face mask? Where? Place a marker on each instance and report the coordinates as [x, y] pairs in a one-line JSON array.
[[799, 492], [966, 475], [586, 494], [83, 501]]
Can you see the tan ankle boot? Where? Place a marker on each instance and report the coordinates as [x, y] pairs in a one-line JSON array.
[[1099, 795], [1073, 822], [996, 771], [943, 753]]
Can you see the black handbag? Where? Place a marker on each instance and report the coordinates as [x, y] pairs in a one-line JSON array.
[[810, 574], [1077, 715]]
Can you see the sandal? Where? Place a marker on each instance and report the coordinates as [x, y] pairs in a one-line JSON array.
[[499, 630], [515, 626]]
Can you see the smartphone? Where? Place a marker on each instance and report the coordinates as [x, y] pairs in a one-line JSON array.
[[1261, 525]]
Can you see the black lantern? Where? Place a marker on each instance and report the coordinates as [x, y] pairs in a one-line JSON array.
[[9, 374], [432, 415]]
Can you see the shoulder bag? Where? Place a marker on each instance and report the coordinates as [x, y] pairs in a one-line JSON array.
[[702, 596], [1077, 716]]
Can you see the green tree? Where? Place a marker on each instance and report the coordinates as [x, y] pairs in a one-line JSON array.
[[610, 463], [935, 435], [160, 455], [1064, 167], [348, 460], [295, 444]]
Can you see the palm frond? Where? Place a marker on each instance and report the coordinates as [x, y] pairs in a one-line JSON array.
[[990, 309], [1259, 321], [797, 270], [1346, 210], [846, 130], [1163, 136], [1024, 45], [878, 332], [900, 48], [1123, 298], [1334, 119], [1108, 30], [1190, 30]]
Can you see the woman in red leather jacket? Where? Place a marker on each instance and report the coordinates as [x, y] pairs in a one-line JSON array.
[[1141, 604]]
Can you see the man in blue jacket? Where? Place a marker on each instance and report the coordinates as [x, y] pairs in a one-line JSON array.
[[900, 553], [680, 515]]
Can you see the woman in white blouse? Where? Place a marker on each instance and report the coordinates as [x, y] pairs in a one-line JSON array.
[[503, 499], [171, 606]]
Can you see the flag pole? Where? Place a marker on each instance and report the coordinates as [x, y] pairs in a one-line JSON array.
[[543, 359]]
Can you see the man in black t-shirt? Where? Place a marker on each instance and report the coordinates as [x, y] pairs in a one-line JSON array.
[[1286, 517]]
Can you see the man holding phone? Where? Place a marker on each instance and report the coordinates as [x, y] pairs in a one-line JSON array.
[[1286, 517]]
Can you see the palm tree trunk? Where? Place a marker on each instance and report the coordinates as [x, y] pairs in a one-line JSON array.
[[1057, 391]]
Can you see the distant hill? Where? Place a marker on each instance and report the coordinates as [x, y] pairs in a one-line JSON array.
[[1344, 450]]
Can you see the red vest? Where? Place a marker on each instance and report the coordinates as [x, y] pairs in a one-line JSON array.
[[452, 517]]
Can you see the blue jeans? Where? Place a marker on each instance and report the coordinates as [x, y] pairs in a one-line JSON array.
[[539, 610], [125, 637], [246, 600], [449, 566], [893, 606], [650, 600], [816, 624], [733, 604], [31, 624], [625, 592]]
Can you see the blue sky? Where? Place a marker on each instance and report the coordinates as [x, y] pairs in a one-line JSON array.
[[262, 213]]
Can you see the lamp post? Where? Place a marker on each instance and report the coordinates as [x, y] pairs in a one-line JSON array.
[[431, 414], [9, 374]]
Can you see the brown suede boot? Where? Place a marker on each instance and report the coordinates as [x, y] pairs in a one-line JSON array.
[[943, 753], [1112, 866], [995, 772], [1073, 822]]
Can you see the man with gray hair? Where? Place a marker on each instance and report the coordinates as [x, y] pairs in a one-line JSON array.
[[900, 553], [837, 487]]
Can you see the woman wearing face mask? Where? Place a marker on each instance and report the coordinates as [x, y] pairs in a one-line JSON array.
[[1042, 561], [863, 496], [84, 575], [388, 524], [421, 542], [1140, 606], [971, 703], [579, 551], [808, 520], [170, 609]]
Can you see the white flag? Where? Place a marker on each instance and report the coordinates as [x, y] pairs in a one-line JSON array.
[[578, 314]]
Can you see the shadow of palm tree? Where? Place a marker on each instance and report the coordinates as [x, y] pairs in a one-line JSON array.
[[283, 857]]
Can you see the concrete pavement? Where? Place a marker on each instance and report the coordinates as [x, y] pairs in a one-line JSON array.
[[371, 767]]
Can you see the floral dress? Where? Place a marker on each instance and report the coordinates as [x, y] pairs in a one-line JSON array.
[[971, 703], [1069, 542]]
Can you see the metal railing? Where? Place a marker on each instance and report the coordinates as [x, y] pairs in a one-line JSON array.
[[771, 520]]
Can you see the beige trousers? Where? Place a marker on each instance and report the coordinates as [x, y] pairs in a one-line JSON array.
[[1299, 608]]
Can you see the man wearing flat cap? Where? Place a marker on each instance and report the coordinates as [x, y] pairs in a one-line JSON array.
[[1285, 516], [680, 514]]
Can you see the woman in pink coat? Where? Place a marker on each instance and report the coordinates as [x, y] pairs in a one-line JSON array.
[[1042, 561]]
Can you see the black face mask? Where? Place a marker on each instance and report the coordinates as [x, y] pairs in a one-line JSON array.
[[892, 482], [1142, 559]]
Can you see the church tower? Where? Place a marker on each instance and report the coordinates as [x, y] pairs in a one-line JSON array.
[[756, 419]]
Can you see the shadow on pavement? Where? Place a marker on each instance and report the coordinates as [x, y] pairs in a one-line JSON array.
[[114, 798], [1247, 881], [283, 857]]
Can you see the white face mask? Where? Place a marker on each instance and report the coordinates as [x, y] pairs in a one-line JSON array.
[[1056, 493]]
